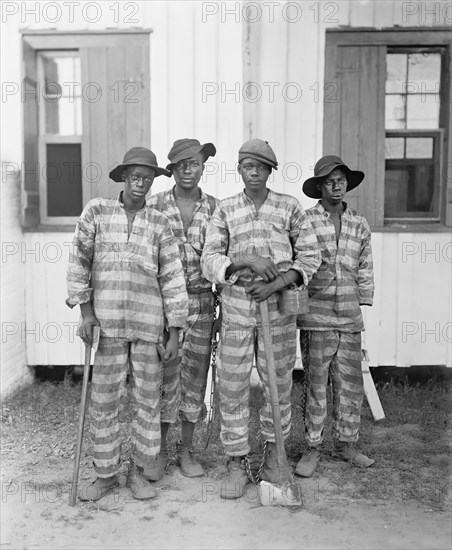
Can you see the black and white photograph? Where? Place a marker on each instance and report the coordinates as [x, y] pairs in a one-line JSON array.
[[226, 277]]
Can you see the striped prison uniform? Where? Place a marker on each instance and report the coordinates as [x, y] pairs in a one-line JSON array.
[[185, 379], [279, 231], [136, 284], [342, 284]]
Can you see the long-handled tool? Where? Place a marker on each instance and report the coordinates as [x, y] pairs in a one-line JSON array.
[[81, 421], [286, 492]]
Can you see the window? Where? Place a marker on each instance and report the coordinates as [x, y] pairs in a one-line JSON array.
[[392, 120], [86, 101], [412, 175], [412, 150], [60, 136]]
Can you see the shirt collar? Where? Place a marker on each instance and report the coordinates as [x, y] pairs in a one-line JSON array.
[[247, 199], [322, 210], [121, 203], [202, 198]]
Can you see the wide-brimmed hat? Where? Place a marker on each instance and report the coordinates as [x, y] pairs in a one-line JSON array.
[[324, 167], [185, 148], [260, 150], [142, 157]]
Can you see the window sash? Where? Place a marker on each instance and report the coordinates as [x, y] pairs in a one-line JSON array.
[[336, 127], [435, 161]]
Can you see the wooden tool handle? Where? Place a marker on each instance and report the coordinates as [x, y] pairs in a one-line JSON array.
[[274, 397], [81, 421]]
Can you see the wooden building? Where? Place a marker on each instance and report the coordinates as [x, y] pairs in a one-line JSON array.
[[367, 80]]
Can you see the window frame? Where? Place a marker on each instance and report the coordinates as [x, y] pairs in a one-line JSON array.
[[438, 138], [33, 186], [45, 139], [408, 37]]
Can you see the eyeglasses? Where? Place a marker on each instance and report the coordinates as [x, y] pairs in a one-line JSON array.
[[135, 178], [330, 183], [184, 164]]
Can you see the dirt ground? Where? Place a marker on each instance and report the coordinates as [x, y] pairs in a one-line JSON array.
[[190, 514], [342, 507]]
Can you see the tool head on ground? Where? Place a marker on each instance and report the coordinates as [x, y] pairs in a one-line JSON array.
[[287, 494], [283, 492]]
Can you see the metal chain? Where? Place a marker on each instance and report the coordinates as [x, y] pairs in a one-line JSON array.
[[213, 366], [256, 478], [212, 392], [304, 339]]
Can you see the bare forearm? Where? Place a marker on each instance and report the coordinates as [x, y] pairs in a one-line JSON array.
[[86, 310], [284, 280]]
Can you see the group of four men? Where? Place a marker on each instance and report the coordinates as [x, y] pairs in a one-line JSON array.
[[143, 270]]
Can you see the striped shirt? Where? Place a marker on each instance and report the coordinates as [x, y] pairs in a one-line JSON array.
[[135, 282], [344, 280], [279, 230], [192, 243]]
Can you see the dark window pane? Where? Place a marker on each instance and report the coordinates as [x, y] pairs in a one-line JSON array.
[[410, 190], [64, 179]]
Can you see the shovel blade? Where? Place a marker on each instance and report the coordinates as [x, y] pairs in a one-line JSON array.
[[288, 494]]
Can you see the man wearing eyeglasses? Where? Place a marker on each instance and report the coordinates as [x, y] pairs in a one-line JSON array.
[[126, 275], [184, 384], [332, 328]]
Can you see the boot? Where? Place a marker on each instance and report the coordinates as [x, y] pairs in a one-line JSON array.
[[234, 486], [308, 463], [97, 489], [271, 471], [141, 488], [189, 466], [154, 470], [344, 451]]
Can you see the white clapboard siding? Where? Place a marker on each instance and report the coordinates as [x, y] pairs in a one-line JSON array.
[[50, 324], [14, 371], [411, 296], [410, 322], [195, 59]]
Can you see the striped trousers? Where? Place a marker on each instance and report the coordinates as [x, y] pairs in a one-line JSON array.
[[185, 379], [338, 354], [111, 366], [241, 341]]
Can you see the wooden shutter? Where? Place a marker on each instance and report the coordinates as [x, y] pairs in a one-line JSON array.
[[30, 171], [120, 117], [353, 126]]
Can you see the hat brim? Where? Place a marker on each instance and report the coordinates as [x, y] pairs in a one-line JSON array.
[[258, 157], [354, 178], [116, 173], [207, 149]]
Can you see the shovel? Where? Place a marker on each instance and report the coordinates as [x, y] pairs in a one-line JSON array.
[[285, 492], [81, 423]]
